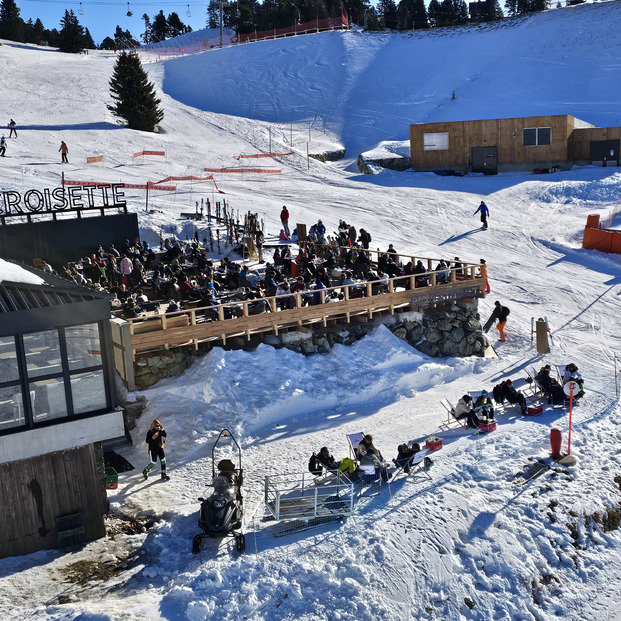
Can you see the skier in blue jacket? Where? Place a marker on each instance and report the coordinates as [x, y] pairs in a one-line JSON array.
[[484, 213]]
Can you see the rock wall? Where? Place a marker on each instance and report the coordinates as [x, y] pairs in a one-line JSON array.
[[369, 166], [450, 330], [328, 156]]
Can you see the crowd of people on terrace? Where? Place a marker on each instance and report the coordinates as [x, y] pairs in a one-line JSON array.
[[180, 275]]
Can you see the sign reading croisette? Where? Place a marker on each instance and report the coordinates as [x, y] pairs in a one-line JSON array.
[[96, 196]]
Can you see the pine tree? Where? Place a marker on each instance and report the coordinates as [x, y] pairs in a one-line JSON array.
[[133, 94], [159, 27], [89, 44], [146, 37], [373, 22], [175, 25], [419, 14], [388, 10], [71, 38], [11, 24], [108, 44], [435, 13]]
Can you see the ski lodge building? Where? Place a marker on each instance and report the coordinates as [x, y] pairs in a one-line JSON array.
[[57, 404], [490, 146]]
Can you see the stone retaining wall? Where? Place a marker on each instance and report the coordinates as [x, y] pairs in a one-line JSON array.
[[449, 330]]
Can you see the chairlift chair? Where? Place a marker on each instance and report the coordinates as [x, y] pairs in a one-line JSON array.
[[188, 12], [80, 11], [129, 11]]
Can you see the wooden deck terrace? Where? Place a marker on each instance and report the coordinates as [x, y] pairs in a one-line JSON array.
[[360, 300]]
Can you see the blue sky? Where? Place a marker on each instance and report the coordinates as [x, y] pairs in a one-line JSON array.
[[101, 17]]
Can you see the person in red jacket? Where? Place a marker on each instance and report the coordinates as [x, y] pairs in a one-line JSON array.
[[284, 218]]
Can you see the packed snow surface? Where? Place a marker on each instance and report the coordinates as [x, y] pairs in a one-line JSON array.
[[467, 544]]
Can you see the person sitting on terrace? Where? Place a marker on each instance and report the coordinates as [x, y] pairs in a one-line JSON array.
[[443, 273], [298, 285], [270, 282], [392, 269], [322, 274], [172, 307], [368, 458], [361, 267], [283, 289]]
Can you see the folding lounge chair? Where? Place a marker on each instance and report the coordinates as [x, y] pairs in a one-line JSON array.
[[450, 416], [536, 388], [419, 466], [369, 475]]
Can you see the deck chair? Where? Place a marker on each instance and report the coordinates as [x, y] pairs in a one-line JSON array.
[[450, 416], [369, 476], [560, 369], [419, 466], [535, 388]]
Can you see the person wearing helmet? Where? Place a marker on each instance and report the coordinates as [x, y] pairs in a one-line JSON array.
[[483, 406]]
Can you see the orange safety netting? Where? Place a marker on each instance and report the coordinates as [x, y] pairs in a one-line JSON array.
[[264, 155], [242, 170], [192, 178], [104, 184], [150, 153], [93, 159]]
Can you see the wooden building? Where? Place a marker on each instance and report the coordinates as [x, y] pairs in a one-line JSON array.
[[490, 146], [57, 403]]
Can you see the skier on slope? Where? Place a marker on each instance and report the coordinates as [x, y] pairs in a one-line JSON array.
[[484, 213]]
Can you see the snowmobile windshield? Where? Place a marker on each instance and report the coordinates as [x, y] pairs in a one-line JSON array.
[[221, 483]]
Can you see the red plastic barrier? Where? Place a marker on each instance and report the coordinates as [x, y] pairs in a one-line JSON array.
[[94, 159], [556, 439]]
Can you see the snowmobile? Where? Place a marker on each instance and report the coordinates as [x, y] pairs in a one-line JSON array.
[[221, 514]]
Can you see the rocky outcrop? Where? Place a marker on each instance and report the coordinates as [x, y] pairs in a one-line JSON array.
[[328, 156], [370, 166]]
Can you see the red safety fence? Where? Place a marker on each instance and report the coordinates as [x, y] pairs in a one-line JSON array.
[[93, 159], [242, 170], [192, 178], [133, 186], [150, 153], [263, 155], [329, 23]]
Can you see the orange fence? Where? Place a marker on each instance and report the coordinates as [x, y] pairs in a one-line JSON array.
[[264, 155], [193, 178], [242, 170], [134, 186], [163, 153], [93, 159], [604, 240]]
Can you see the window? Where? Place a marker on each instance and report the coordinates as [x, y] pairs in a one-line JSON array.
[[536, 136], [435, 142]]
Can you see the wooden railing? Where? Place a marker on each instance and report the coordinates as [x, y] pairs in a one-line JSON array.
[[198, 325]]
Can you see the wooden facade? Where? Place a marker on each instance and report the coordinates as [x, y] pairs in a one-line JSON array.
[[502, 137], [36, 492], [582, 139]]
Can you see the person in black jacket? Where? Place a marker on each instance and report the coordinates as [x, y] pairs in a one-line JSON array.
[[156, 439], [507, 391], [551, 387], [500, 313]]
